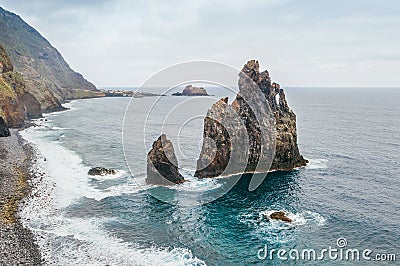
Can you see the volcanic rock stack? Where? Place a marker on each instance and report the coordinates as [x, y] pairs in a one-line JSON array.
[[162, 165], [280, 141], [256, 133]]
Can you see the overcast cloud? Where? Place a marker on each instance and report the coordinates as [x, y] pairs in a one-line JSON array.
[[302, 43]]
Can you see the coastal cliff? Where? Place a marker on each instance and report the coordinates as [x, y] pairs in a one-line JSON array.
[[16, 102], [46, 74], [215, 154]]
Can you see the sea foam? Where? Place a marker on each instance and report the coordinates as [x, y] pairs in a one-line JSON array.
[[276, 231], [317, 164], [61, 181]]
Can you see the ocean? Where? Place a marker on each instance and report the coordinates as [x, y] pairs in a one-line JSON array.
[[346, 197]]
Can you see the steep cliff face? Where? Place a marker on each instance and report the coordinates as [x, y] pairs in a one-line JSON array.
[[4, 131], [5, 61], [287, 154], [11, 109], [48, 77], [281, 143], [225, 142], [214, 154], [162, 164], [27, 102], [16, 103]]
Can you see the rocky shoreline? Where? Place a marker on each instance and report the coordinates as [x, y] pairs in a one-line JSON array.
[[128, 93], [17, 243]]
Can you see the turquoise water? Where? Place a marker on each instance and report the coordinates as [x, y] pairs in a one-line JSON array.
[[349, 190]]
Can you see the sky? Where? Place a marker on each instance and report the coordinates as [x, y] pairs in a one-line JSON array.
[[301, 43]]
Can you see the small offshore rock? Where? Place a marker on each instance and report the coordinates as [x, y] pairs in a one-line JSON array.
[[101, 171], [192, 91], [280, 215]]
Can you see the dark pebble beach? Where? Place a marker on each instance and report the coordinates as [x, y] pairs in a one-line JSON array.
[[17, 243]]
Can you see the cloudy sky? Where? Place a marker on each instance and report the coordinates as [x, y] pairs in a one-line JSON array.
[[302, 43]]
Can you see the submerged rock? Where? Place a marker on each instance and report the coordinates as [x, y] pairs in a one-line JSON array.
[[273, 116], [162, 164], [101, 171], [279, 215], [4, 131], [192, 91]]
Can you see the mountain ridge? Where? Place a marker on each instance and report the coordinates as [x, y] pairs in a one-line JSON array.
[[46, 73]]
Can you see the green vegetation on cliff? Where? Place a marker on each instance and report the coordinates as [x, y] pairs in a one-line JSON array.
[[6, 92], [16, 102], [5, 61]]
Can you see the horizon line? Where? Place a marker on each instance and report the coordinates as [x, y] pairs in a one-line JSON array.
[[361, 87]]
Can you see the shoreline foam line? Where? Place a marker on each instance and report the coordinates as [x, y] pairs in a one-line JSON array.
[[61, 179]]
